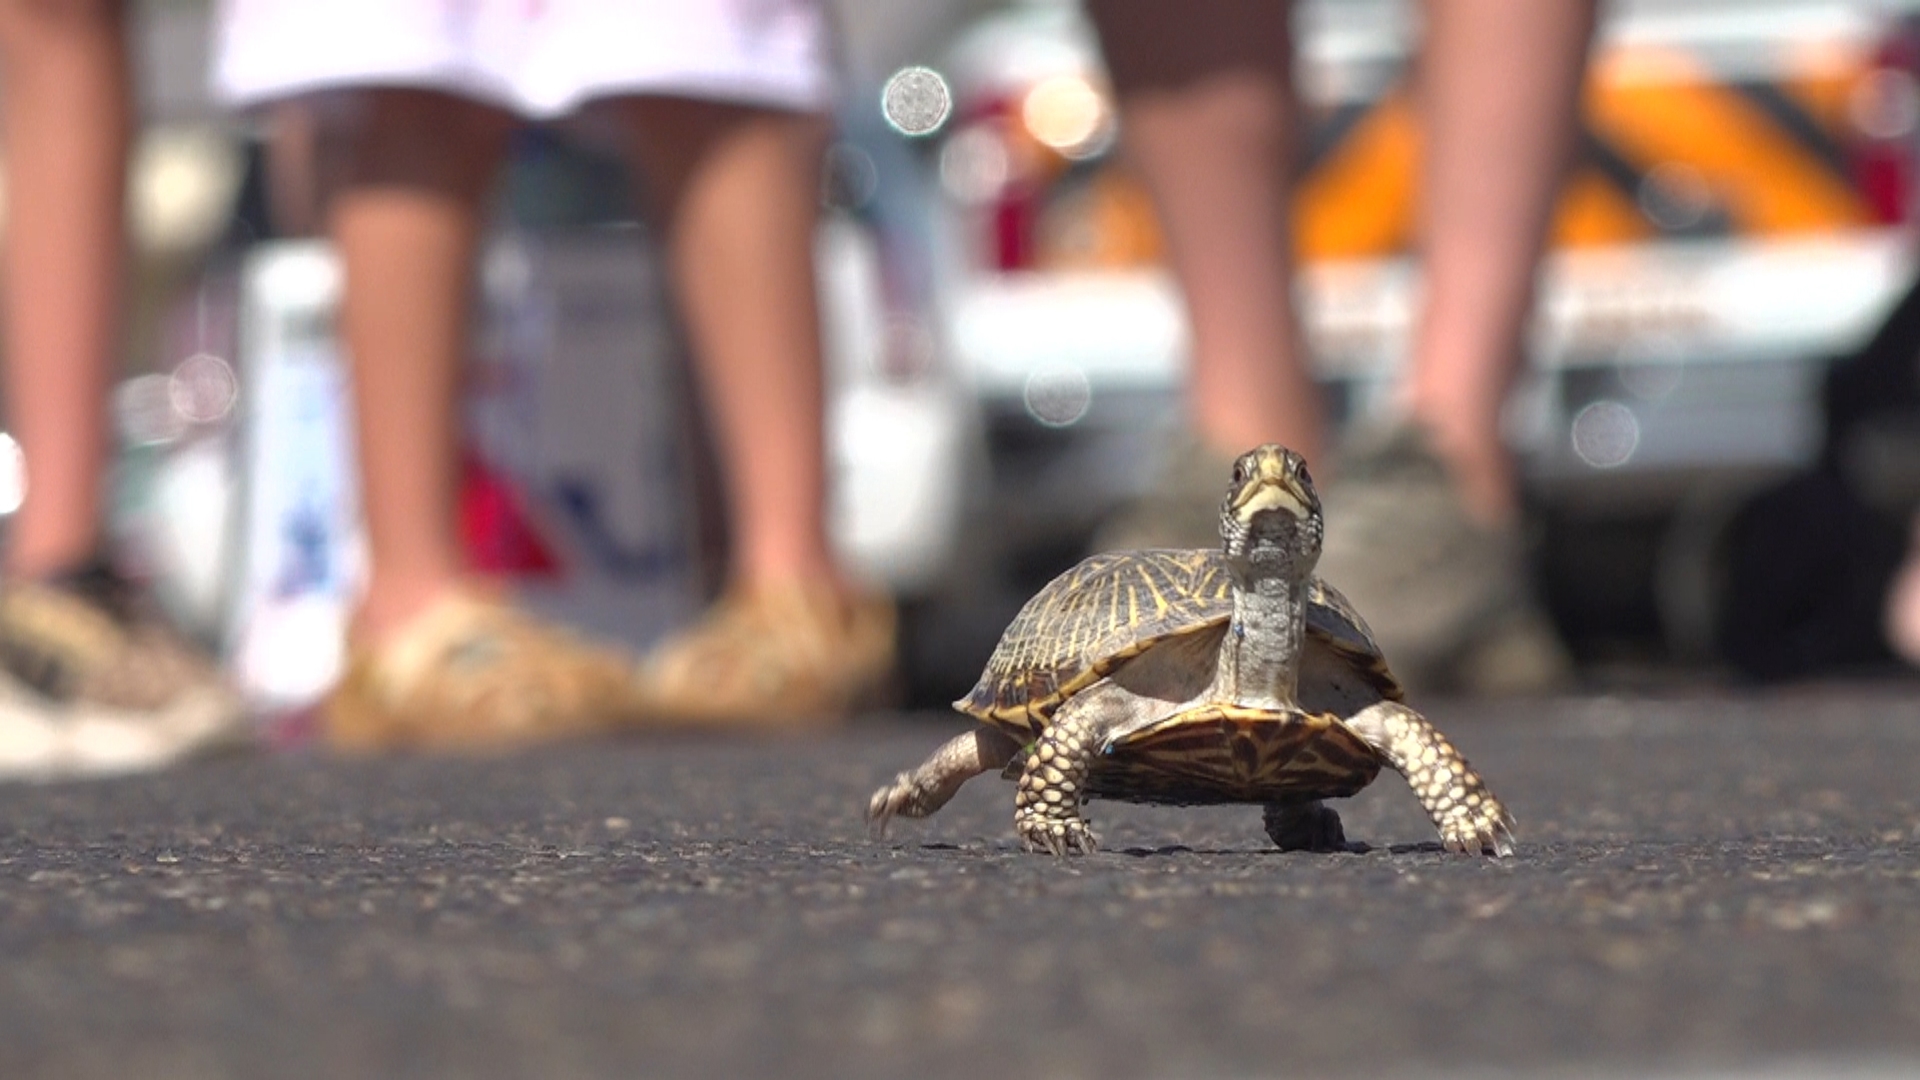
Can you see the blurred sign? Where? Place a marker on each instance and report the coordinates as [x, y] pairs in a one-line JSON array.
[[571, 471]]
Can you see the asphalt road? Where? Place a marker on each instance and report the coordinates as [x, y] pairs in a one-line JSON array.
[[1705, 885]]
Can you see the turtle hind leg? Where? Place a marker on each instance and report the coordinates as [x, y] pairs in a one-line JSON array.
[[1046, 805], [1308, 826], [1471, 821], [923, 790]]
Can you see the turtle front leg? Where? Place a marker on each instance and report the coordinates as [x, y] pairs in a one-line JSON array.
[[1470, 819], [1046, 807], [927, 788], [1308, 826]]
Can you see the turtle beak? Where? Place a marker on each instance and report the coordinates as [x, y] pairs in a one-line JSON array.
[[1272, 488]]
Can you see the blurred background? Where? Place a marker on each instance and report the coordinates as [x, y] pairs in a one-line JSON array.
[[1718, 462]]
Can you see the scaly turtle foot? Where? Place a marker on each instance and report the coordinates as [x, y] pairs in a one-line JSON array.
[[1046, 805], [920, 792], [1482, 828], [1470, 820], [1305, 827], [1042, 828]]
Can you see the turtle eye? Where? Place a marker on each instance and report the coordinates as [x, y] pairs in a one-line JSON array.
[[1239, 472], [1305, 476]]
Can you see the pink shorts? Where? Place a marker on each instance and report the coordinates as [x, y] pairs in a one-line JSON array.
[[540, 58]]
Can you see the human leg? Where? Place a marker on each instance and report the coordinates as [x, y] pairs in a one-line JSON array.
[[1207, 116], [92, 678], [1423, 526], [405, 175], [1499, 86], [405, 213], [67, 115], [736, 189]]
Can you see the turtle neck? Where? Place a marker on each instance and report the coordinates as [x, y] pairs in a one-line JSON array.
[[1260, 657]]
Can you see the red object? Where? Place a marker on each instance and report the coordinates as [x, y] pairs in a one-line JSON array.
[[497, 532]]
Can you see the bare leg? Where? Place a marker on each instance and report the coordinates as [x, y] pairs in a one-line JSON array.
[[1309, 826], [406, 219], [1499, 93], [738, 189], [1470, 819], [926, 789], [1207, 111], [1902, 610], [64, 89]]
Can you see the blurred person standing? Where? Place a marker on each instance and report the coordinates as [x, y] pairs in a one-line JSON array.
[[720, 107], [1423, 514], [92, 678]]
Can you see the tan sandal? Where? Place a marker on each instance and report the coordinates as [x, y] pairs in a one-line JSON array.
[[769, 658], [472, 675]]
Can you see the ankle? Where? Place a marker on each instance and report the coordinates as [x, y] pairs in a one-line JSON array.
[[1482, 470], [30, 562], [806, 572], [392, 602]]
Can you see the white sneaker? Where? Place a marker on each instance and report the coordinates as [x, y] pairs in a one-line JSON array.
[[94, 682]]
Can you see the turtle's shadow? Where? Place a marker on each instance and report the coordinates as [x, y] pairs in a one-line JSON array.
[[1352, 847]]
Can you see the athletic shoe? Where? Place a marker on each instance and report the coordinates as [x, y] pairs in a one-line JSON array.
[[94, 681]]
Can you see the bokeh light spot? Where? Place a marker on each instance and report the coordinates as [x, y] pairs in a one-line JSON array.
[[1058, 397], [1605, 434], [1066, 113], [13, 474], [1676, 195], [1885, 104], [975, 166], [916, 101], [203, 388]]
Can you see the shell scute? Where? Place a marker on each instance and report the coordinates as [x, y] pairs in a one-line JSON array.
[[1112, 606]]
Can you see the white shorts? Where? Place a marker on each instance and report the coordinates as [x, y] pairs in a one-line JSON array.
[[540, 58]]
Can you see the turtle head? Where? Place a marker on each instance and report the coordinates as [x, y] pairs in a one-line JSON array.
[[1270, 522]]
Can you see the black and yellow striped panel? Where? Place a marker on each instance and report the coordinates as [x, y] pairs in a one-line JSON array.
[[1668, 149]]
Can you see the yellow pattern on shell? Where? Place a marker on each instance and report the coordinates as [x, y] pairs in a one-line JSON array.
[[1076, 630]]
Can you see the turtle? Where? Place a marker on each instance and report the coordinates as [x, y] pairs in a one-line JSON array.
[[1194, 677]]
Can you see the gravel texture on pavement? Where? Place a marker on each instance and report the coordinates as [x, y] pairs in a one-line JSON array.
[[1706, 885]]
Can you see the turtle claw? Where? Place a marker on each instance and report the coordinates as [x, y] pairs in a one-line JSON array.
[[1489, 835], [1058, 836], [895, 798]]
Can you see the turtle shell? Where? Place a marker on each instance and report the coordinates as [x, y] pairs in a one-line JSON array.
[[1113, 606]]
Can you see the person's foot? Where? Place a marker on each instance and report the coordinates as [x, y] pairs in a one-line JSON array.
[[1180, 507], [473, 675], [773, 657], [1448, 598], [94, 681]]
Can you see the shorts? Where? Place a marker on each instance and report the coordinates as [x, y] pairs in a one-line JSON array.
[[539, 58]]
